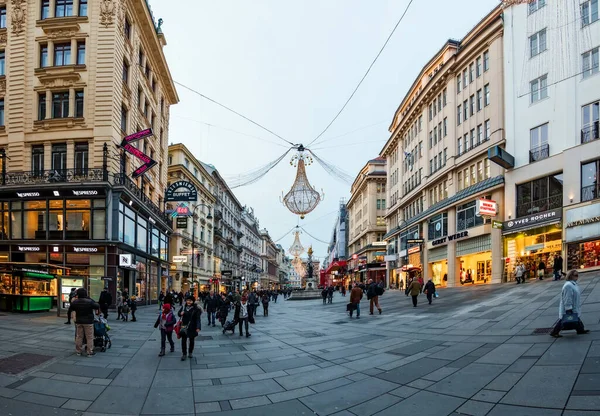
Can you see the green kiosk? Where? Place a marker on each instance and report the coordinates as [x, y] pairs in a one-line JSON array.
[[24, 288]]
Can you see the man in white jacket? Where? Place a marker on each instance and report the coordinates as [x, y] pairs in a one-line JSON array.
[[570, 303]]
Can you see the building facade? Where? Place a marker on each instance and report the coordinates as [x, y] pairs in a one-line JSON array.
[[552, 91], [269, 278], [189, 245], [251, 248], [437, 166], [75, 80], [367, 208], [335, 263]]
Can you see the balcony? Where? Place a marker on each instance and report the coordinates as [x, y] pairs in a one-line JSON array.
[[590, 133], [589, 193], [121, 179], [41, 177], [218, 214], [539, 153], [540, 205]]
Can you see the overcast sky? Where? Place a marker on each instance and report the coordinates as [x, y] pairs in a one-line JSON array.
[[290, 65]]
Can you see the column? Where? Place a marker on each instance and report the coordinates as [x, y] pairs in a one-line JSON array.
[[73, 51], [76, 13], [453, 265], [498, 241], [48, 105], [47, 156], [50, 53], [71, 102], [52, 8], [70, 154]]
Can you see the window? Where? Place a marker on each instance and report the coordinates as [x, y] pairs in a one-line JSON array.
[[539, 88], [125, 72], [466, 142], [539, 195], [479, 134], [63, 8], [486, 94], [127, 29], [535, 5], [590, 186], [479, 100], [140, 98], [466, 218], [589, 12], [62, 54], [2, 63], [3, 17], [141, 58], [486, 61], [472, 104], [431, 166], [488, 128], [459, 146], [44, 56], [445, 155], [79, 103], [2, 112], [538, 143], [465, 79], [465, 110], [80, 53], [472, 138], [42, 106], [37, 160], [435, 163], [471, 73], [444, 97], [438, 226], [435, 136], [59, 157], [478, 67], [439, 101], [81, 158], [590, 64], [459, 114], [430, 139], [458, 89], [420, 150], [83, 7], [123, 119], [590, 126], [460, 185], [537, 43], [430, 112], [445, 126], [60, 104], [146, 109], [45, 11], [148, 70]]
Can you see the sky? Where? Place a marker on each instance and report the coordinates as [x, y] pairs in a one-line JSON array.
[[290, 66]]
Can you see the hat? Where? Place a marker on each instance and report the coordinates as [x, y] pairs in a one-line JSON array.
[[167, 306], [190, 297], [82, 293]]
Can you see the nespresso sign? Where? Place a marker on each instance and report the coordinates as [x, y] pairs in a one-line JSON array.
[[532, 220], [57, 192], [452, 237], [29, 248]]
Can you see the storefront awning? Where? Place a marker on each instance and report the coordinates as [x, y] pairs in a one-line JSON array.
[[335, 266]]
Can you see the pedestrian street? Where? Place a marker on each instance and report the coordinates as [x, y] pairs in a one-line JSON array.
[[477, 350]]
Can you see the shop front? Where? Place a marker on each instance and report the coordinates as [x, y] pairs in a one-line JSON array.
[[474, 259], [582, 235], [531, 240], [438, 265]]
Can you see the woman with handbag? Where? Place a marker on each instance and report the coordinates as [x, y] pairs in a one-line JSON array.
[[569, 309], [166, 321], [190, 314]]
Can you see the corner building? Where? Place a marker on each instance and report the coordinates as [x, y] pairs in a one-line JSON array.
[[76, 77], [437, 166], [552, 95]]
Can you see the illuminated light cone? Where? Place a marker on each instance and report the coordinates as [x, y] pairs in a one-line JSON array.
[[302, 197], [296, 249]]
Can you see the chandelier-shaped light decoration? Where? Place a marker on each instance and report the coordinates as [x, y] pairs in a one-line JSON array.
[[296, 249], [299, 266], [302, 198]]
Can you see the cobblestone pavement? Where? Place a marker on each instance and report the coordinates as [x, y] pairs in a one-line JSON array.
[[473, 352]]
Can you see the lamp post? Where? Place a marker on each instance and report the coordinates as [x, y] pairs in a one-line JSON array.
[[208, 217]]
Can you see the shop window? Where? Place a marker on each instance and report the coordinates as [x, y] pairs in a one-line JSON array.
[[142, 234], [466, 218], [539, 195], [590, 188], [34, 220], [77, 224], [438, 226], [128, 236]]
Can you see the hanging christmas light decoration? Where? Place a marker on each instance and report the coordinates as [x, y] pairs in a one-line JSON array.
[[302, 198], [296, 249]]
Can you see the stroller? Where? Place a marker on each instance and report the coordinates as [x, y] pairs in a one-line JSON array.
[[101, 339], [229, 326]]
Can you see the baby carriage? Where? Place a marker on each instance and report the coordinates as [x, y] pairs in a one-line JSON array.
[[229, 326], [101, 338]]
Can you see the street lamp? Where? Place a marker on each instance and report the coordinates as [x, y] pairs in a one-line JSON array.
[[208, 217]]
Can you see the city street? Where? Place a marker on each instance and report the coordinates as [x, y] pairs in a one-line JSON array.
[[475, 351]]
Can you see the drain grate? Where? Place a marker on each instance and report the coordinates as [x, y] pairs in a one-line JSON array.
[[18, 363], [541, 331]]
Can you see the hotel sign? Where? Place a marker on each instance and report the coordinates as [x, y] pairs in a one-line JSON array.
[[541, 218]]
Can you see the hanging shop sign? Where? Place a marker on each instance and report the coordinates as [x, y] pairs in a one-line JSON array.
[[452, 237], [125, 260], [497, 224], [179, 259], [181, 191], [181, 222], [147, 161], [413, 250], [378, 243], [539, 219], [486, 208]]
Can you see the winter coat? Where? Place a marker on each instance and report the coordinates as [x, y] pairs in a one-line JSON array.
[[558, 264], [570, 299], [429, 287], [168, 325], [168, 299], [265, 300], [372, 291], [324, 293], [238, 308], [105, 298], [84, 310], [415, 288], [190, 316], [356, 295], [211, 303], [542, 266]]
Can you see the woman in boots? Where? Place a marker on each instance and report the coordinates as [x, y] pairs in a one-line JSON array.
[[166, 322], [190, 325]]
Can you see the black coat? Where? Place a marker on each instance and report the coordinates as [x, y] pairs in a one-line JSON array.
[[168, 299], [211, 303], [430, 288], [105, 298], [84, 310], [191, 318], [558, 263], [372, 290], [224, 306]]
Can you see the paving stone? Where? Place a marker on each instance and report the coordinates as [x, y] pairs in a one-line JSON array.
[[208, 407], [410, 372], [504, 382], [62, 389], [250, 402], [584, 403], [290, 394], [474, 408], [557, 382], [330, 385], [235, 380], [78, 370], [404, 391], [468, 381], [246, 370], [457, 351], [77, 404], [224, 405], [18, 408], [73, 379], [263, 376], [566, 353], [504, 410], [424, 404], [43, 374], [491, 396], [440, 373], [120, 400], [522, 365], [416, 347], [375, 405], [51, 401], [305, 369], [314, 377], [591, 365], [172, 378], [233, 391], [587, 382], [463, 362], [504, 354], [169, 401], [357, 376], [289, 408], [288, 364], [9, 393]]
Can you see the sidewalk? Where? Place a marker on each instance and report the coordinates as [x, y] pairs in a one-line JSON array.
[[476, 351]]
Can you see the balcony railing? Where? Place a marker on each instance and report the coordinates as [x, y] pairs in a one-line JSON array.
[[591, 132], [40, 177], [539, 153], [540, 205], [589, 193], [474, 146], [121, 179]]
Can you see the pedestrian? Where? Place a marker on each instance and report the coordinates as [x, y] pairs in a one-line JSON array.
[[356, 295], [241, 315], [373, 291], [429, 290], [252, 301], [210, 305], [223, 309], [84, 308], [72, 295], [569, 307], [275, 296], [344, 290], [125, 307], [401, 284], [558, 265], [119, 305], [519, 273], [166, 322], [161, 298], [324, 295], [190, 315], [414, 289], [169, 299], [541, 269], [265, 304], [133, 307], [105, 301], [330, 294]]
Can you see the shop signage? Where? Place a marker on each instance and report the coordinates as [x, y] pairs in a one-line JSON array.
[[486, 208], [391, 257], [181, 191], [535, 247], [137, 136], [29, 248], [125, 260], [147, 161], [54, 193], [497, 224], [85, 192], [85, 249], [415, 241], [452, 237], [181, 210], [378, 243], [413, 250], [181, 222], [28, 194], [179, 259], [583, 222], [227, 273], [533, 220]]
